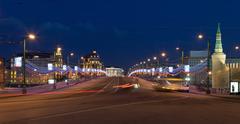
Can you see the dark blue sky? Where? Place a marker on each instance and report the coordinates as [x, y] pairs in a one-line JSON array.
[[122, 31]]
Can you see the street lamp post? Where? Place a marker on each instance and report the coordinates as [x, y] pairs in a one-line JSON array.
[[182, 54], [163, 55], [200, 36], [208, 67], [68, 58], [156, 61], [31, 37]]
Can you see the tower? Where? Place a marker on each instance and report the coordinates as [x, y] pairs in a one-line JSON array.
[[219, 69], [58, 62]]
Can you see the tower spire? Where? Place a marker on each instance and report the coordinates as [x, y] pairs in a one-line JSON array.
[[218, 45]]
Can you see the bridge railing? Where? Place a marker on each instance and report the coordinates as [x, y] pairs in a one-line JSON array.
[[169, 70]]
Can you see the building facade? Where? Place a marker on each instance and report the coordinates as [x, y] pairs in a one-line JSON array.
[[114, 72], [220, 72], [197, 57], [58, 63], [2, 71], [39, 59], [92, 61]]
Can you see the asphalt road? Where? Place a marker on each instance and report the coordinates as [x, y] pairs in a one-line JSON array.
[[107, 101]]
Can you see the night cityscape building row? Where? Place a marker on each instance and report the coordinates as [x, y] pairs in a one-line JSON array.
[[216, 74], [11, 71]]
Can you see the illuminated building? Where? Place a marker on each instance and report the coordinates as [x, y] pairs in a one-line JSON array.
[[197, 57], [220, 78], [114, 72], [92, 61], [2, 71], [58, 62], [39, 59]]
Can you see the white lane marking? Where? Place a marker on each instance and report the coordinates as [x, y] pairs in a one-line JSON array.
[[118, 82], [107, 85], [105, 107]]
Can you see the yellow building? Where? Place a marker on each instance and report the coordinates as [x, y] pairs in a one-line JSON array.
[[92, 61], [58, 62]]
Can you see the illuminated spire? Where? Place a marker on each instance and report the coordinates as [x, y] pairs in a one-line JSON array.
[[218, 45]]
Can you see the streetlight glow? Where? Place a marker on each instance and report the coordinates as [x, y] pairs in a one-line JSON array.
[[177, 48], [31, 36], [200, 36], [59, 49], [163, 54], [209, 73], [236, 47]]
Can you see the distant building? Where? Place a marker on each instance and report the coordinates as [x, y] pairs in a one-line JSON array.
[[92, 61], [40, 59], [223, 70], [114, 72], [197, 57], [233, 65], [2, 71], [58, 62]]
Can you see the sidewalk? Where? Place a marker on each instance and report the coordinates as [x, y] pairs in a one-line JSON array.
[[233, 97], [38, 89]]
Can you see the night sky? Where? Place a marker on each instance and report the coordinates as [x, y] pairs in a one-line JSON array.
[[122, 31]]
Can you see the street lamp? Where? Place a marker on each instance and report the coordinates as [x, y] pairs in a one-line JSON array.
[[156, 61], [200, 37], [177, 48], [154, 58], [71, 55], [182, 54], [30, 36], [237, 48], [163, 55]]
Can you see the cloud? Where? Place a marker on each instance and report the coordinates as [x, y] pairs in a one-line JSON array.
[[54, 27], [86, 26], [10, 26]]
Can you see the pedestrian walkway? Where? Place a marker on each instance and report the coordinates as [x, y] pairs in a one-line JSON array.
[[7, 92]]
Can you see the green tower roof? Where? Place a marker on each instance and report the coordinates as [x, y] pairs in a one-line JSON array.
[[218, 45]]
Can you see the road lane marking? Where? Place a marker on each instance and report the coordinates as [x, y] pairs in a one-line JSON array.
[[105, 107]]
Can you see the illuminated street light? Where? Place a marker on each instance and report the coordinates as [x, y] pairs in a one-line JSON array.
[[200, 36], [59, 49], [163, 54], [236, 47], [209, 73], [154, 58], [29, 36], [68, 57], [177, 48], [149, 60], [182, 54]]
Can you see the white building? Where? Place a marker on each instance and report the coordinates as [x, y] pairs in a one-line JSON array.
[[114, 72], [197, 57]]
